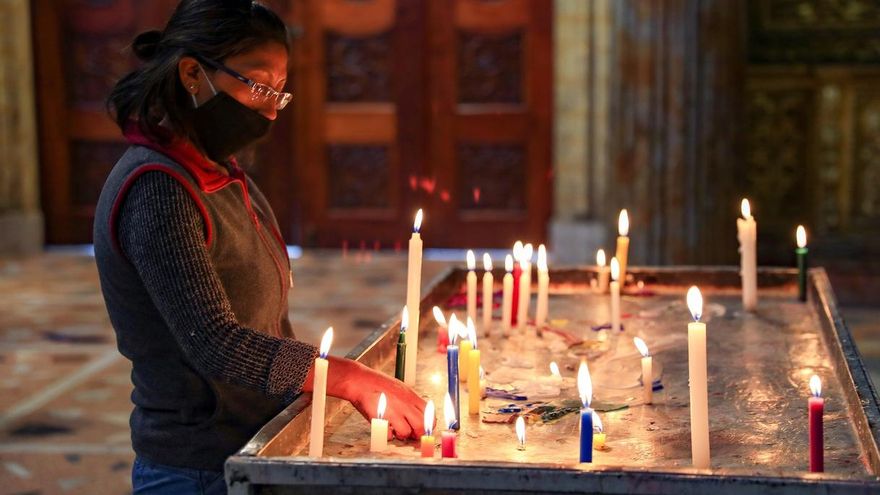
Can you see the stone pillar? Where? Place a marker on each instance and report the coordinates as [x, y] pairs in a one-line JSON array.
[[21, 220], [581, 32]]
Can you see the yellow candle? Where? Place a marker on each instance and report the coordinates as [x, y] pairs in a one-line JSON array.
[[379, 428], [471, 286], [697, 377], [464, 349], [413, 297], [319, 397], [428, 437], [598, 433], [602, 271], [473, 372], [543, 287], [622, 244], [507, 300], [647, 371], [747, 234], [488, 286], [615, 296]]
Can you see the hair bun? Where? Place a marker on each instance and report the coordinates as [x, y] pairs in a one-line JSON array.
[[146, 44]]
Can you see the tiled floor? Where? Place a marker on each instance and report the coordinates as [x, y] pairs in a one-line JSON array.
[[64, 391]]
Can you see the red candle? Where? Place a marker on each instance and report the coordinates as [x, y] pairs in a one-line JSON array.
[[517, 272], [447, 438], [816, 407]]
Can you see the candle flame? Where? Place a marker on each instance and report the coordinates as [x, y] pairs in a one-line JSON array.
[[615, 269], [521, 430], [554, 369], [453, 328], [585, 384], [508, 263], [325, 343], [472, 332], [438, 316], [600, 257], [641, 346], [746, 209], [482, 373], [383, 402], [542, 258], [528, 251], [471, 260], [429, 418], [623, 223], [695, 302], [816, 386], [517, 250], [801, 236], [404, 319], [448, 412], [598, 427], [487, 262], [417, 225]]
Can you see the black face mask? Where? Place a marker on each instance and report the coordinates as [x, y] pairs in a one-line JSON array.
[[224, 126]]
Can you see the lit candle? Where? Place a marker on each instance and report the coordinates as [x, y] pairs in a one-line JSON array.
[[442, 330], [471, 286], [319, 397], [801, 253], [428, 437], [647, 370], [464, 348], [379, 427], [622, 243], [598, 433], [817, 440], [697, 377], [585, 390], [447, 438], [602, 272], [452, 368], [524, 294], [413, 297], [615, 295], [747, 233], [488, 286], [543, 287], [554, 370], [517, 271], [520, 433], [473, 371], [400, 363], [507, 298]]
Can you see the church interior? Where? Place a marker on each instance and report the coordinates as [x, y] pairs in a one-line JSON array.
[[502, 121]]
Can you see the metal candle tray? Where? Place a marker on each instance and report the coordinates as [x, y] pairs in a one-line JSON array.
[[759, 367]]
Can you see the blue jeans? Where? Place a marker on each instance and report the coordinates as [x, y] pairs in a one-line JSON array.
[[148, 478]]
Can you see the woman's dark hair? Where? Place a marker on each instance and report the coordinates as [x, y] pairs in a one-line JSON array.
[[215, 29]]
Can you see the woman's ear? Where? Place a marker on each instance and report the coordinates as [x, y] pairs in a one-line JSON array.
[[188, 70]]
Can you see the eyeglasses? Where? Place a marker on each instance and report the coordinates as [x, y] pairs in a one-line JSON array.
[[260, 92]]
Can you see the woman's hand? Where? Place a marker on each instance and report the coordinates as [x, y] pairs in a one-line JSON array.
[[362, 386]]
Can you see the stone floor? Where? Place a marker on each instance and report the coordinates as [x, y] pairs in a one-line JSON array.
[[64, 390]]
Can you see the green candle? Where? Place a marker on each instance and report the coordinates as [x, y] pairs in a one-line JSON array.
[[400, 364], [801, 253]]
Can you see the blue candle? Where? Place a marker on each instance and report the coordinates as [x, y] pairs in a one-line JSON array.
[[452, 370], [586, 435]]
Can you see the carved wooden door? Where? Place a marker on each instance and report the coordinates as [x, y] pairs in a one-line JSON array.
[[435, 104]]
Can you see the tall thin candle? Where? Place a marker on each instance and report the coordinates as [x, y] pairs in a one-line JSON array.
[[507, 297], [413, 298], [747, 233], [319, 397], [817, 440], [602, 272], [452, 370], [464, 349], [622, 254], [471, 286], [473, 371], [517, 272], [647, 370], [488, 287], [697, 377], [801, 253], [615, 296], [543, 287], [585, 390], [400, 362], [524, 294]]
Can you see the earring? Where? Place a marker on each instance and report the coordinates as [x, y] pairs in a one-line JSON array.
[[195, 102]]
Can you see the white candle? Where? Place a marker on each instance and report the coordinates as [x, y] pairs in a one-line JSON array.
[[379, 428], [413, 299], [647, 370], [747, 233], [615, 296], [471, 286], [520, 433], [697, 377], [488, 286], [602, 272], [525, 293], [507, 297], [543, 287], [319, 397], [622, 243]]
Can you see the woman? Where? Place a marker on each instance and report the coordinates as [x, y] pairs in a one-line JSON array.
[[193, 270]]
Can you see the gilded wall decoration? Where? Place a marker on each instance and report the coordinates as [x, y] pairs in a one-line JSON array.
[[358, 69]]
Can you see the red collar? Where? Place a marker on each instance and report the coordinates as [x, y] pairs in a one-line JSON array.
[[182, 151]]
